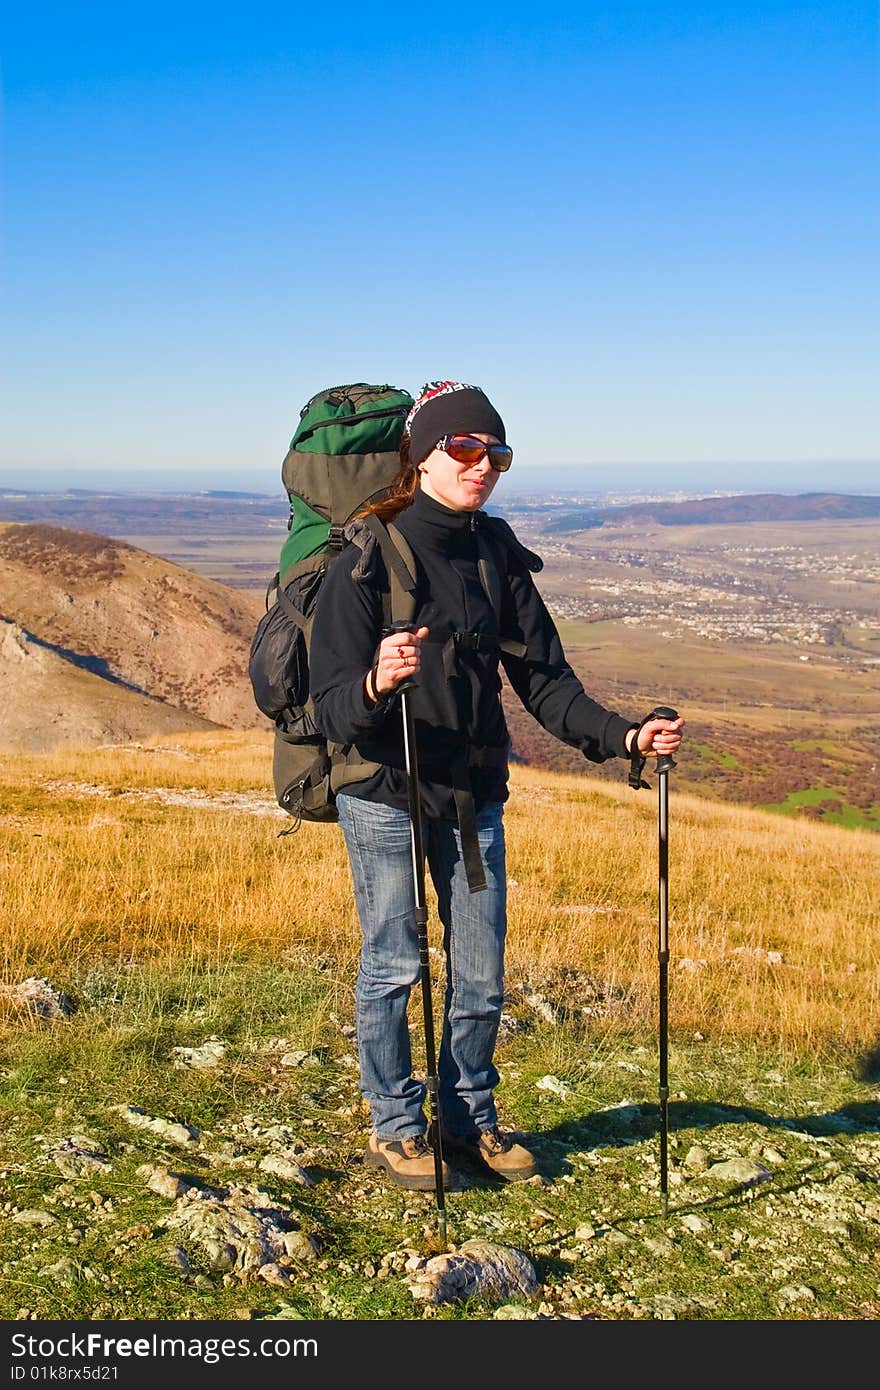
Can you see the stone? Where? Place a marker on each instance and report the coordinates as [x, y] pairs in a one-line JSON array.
[[161, 1181], [283, 1166], [275, 1275], [239, 1230], [553, 1086], [300, 1059], [515, 1312], [692, 1223], [301, 1247], [64, 1271], [76, 1157], [540, 1004], [179, 1260], [204, 1058], [170, 1130], [509, 1025], [696, 1159], [771, 1155], [794, 1293], [758, 953], [740, 1171], [477, 1268], [34, 1217], [659, 1245], [623, 1112], [280, 1135], [38, 997]]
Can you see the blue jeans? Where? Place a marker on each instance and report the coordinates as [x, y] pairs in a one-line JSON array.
[[474, 925]]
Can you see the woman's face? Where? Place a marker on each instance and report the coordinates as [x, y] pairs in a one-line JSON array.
[[462, 486]]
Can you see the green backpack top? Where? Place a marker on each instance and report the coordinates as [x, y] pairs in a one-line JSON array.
[[345, 453]]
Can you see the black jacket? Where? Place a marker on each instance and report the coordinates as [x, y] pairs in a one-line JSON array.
[[457, 716]]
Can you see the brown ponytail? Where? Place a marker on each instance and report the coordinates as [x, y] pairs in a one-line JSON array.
[[400, 494]]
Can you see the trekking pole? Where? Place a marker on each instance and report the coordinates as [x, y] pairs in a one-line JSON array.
[[665, 763], [421, 914]]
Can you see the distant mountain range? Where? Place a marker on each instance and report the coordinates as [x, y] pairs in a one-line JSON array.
[[725, 511]]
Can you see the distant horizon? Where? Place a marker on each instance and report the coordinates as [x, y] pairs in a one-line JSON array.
[[850, 477]]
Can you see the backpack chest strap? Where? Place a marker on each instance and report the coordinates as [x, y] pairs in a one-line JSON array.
[[455, 642]]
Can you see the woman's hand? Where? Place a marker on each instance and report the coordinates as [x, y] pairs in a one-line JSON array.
[[399, 659], [659, 736]]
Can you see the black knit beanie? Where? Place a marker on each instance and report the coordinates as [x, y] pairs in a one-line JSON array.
[[450, 407]]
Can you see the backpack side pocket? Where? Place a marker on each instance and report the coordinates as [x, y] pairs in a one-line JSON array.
[[278, 665]]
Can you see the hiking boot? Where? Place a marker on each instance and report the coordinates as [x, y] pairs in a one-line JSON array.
[[409, 1162], [498, 1150]]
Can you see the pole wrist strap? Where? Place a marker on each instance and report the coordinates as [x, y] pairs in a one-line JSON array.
[[637, 759]]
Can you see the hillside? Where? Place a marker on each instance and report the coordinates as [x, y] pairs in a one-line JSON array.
[[48, 702], [115, 642], [724, 511]]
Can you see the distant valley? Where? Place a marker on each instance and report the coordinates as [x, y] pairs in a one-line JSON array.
[[765, 632]]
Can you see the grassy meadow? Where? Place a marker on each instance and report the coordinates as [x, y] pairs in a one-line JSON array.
[[151, 884]]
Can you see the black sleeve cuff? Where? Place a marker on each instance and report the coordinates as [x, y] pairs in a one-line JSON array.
[[615, 735]]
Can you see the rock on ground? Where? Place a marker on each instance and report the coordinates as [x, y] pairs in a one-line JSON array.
[[741, 1171], [284, 1166], [478, 1267], [204, 1058], [165, 1129], [38, 996], [239, 1229], [78, 1157]]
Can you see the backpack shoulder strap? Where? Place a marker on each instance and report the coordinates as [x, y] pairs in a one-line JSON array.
[[400, 567], [503, 533], [403, 594], [492, 569], [495, 542]]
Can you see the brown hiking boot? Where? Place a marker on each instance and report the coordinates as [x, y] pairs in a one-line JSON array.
[[409, 1162], [498, 1150]]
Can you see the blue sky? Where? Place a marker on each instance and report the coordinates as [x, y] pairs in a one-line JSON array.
[[649, 231]]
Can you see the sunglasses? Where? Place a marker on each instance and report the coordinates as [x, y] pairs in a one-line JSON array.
[[465, 449]]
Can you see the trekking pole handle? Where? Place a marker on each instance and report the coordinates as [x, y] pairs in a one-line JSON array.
[[665, 761], [410, 682]]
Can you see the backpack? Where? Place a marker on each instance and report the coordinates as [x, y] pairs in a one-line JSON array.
[[344, 454]]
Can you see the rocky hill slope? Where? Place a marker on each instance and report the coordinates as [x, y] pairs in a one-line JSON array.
[[48, 702], [102, 640]]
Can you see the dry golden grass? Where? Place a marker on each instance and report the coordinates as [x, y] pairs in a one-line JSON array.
[[125, 876]]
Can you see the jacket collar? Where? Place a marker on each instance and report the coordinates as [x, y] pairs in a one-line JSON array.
[[438, 518]]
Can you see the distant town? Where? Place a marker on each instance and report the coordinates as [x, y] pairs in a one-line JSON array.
[[814, 584]]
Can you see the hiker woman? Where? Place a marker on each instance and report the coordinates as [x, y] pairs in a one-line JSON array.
[[453, 451]]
